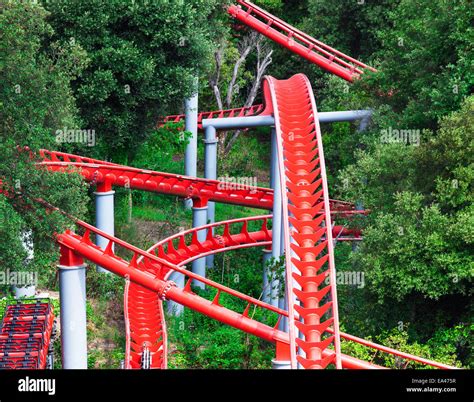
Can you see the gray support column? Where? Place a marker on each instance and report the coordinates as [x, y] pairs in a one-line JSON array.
[[199, 265], [364, 124], [281, 364], [191, 125], [72, 296], [365, 121], [283, 300], [277, 216], [267, 255], [104, 219], [210, 172], [173, 308]]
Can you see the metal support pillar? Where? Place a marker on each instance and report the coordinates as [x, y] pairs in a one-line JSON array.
[[363, 125], [104, 217], [283, 300], [199, 219], [267, 255], [210, 172], [281, 364], [365, 121], [277, 216], [191, 125], [72, 298], [172, 307]]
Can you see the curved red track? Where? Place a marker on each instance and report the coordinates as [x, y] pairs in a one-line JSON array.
[[298, 42], [307, 219], [313, 341], [218, 114], [107, 174]]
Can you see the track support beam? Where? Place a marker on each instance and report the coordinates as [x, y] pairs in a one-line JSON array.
[[72, 296], [200, 219], [191, 106], [210, 172], [277, 218], [267, 256], [104, 216]]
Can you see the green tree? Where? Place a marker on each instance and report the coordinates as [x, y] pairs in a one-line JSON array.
[[143, 55], [36, 101], [417, 253], [425, 61]]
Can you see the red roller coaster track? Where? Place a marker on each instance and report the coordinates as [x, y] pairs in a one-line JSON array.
[[298, 42], [218, 114], [292, 39], [307, 218], [106, 174], [312, 340]]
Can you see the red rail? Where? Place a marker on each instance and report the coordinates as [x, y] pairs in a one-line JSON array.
[[298, 42], [145, 269], [309, 256], [55, 156], [218, 114], [394, 352], [109, 174]]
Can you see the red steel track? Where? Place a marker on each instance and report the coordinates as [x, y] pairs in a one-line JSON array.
[[298, 42], [218, 114], [106, 174], [25, 334], [312, 341], [309, 259]]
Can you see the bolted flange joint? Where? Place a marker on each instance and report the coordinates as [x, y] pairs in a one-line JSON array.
[[166, 289]]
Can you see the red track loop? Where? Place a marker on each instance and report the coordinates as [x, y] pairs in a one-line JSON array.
[[307, 222]]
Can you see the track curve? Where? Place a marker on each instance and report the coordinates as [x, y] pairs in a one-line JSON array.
[[312, 342]]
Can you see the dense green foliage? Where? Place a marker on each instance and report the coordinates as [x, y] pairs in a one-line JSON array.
[[36, 100], [143, 57], [417, 256]]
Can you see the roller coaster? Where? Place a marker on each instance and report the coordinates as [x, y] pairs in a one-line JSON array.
[[312, 337]]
